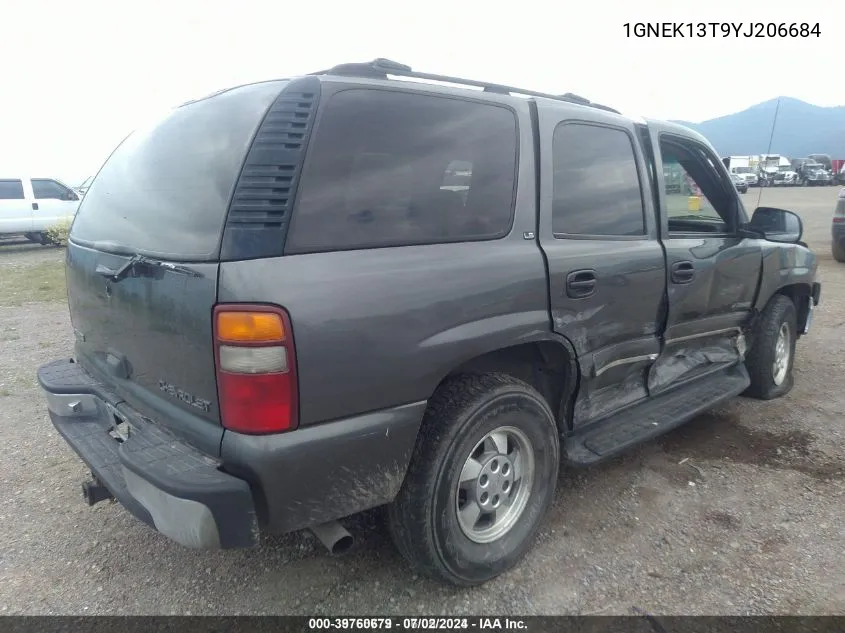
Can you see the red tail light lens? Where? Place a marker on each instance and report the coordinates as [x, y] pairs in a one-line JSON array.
[[256, 369]]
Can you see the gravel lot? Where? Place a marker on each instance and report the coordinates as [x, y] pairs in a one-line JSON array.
[[738, 512]]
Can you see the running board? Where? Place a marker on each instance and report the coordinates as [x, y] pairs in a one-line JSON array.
[[654, 417]]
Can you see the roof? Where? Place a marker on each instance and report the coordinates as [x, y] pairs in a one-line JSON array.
[[385, 69]]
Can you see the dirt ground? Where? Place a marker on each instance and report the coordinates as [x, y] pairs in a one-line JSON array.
[[738, 512]]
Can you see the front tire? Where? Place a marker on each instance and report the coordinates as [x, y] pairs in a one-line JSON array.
[[481, 480], [772, 353]]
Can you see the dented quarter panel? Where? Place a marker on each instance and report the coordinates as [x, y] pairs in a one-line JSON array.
[[380, 328]]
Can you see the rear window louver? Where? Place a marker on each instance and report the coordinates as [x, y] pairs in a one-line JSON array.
[[263, 197]]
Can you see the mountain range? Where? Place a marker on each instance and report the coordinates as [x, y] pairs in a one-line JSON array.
[[801, 128]]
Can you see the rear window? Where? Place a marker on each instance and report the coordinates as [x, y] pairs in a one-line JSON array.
[[596, 187], [165, 190], [391, 169]]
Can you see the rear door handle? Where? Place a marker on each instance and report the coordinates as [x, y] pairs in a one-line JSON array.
[[683, 272], [580, 284], [35, 206]]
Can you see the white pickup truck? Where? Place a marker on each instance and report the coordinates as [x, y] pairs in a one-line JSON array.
[[30, 206]]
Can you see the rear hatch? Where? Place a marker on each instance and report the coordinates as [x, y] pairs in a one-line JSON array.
[[143, 258]]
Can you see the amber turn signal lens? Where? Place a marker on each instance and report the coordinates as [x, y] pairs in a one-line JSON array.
[[250, 327]]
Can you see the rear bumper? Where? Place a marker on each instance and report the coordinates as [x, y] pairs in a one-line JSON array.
[[159, 478], [281, 482]]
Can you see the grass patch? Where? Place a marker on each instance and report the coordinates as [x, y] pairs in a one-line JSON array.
[[39, 282]]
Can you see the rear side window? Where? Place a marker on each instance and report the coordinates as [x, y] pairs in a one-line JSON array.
[[596, 182], [392, 169], [11, 190], [165, 190], [44, 189]]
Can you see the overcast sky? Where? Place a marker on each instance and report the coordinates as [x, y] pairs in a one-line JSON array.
[[80, 75]]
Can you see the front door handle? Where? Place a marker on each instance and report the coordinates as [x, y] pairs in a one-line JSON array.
[[35, 206], [580, 284], [683, 272]]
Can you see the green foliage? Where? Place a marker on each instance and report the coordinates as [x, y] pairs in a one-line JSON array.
[[58, 233]]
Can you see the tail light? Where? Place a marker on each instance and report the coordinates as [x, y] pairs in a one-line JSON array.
[[256, 369]]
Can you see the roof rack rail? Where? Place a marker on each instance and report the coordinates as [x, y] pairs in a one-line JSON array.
[[380, 69]]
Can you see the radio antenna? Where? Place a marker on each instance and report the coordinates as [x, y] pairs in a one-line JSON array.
[[769, 149]]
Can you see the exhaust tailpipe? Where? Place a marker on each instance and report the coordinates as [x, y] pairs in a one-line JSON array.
[[334, 537], [94, 492]]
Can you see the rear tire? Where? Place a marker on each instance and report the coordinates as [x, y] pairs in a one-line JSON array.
[[838, 251], [486, 441], [772, 354]]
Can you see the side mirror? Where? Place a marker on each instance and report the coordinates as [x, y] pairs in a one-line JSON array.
[[777, 225]]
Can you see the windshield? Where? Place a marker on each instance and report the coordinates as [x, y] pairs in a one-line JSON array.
[[165, 190]]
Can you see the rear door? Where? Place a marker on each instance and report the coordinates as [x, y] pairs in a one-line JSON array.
[[53, 203], [606, 266], [15, 209], [164, 193], [712, 271]]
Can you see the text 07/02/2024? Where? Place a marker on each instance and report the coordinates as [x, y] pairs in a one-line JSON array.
[[721, 29]]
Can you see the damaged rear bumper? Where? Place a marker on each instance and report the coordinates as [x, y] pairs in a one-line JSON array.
[[161, 480], [281, 482]]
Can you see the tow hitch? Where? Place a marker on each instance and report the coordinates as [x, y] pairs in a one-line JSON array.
[[94, 492]]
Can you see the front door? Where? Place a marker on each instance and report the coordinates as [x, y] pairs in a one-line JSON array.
[[712, 271], [606, 265], [54, 203]]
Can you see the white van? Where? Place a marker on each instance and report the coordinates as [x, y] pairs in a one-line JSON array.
[[31, 206]]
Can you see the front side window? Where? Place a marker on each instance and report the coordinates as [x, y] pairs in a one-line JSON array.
[[44, 189], [696, 200], [596, 187], [392, 169]]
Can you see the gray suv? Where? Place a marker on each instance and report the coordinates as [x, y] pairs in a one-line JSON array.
[[299, 299]]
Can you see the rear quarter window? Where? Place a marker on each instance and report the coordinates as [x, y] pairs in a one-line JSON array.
[[391, 169], [11, 190]]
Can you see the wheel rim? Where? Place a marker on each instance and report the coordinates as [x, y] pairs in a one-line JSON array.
[[782, 353], [494, 484]]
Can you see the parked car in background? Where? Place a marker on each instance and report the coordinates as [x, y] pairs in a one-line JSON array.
[[822, 159], [785, 176], [31, 206], [814, 174], [838, 228], [748, 174], [740, 183], [324, 325]]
